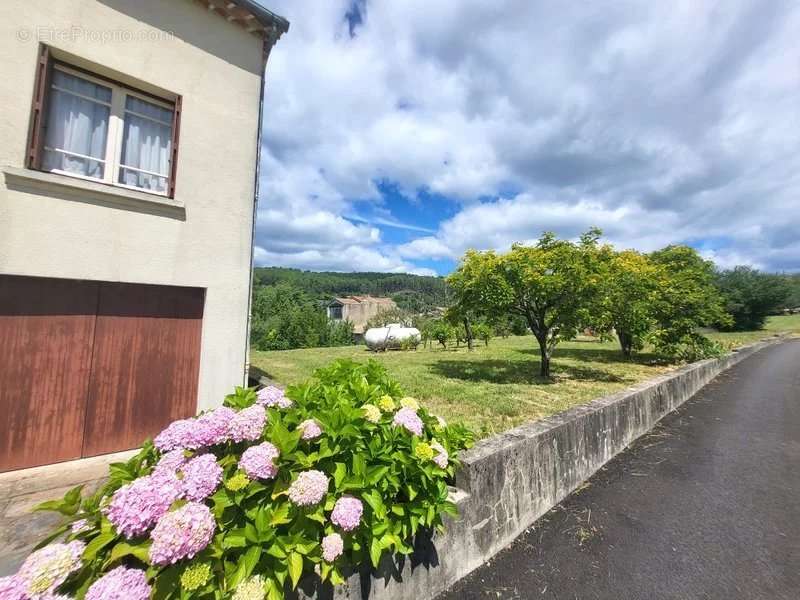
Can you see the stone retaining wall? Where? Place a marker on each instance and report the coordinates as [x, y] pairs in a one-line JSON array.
[[510, 480]]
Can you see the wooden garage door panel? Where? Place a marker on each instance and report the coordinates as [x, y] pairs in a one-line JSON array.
[[46, 332], [145, 364]]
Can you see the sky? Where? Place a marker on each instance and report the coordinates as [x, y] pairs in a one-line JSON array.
[[398, 134]]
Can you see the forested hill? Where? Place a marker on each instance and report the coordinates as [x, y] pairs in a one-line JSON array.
[[412, 292]]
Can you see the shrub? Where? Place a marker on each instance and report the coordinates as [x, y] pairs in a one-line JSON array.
[[689, 348], [244, 500]]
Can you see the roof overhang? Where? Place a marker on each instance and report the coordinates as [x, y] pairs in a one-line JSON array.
[[251, 15]]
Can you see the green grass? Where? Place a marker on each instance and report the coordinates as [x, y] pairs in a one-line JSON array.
[[782, 324], [497, 387]]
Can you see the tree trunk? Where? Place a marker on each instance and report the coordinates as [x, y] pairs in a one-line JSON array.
[[625, 343], [544, 352], [468, 331]]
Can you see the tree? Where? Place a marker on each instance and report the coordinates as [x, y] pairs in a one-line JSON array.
[[686, 299], [284, 317], [630, 286], [554, 285], [459, 316], [439, 330], [750, 296], [483, 331]]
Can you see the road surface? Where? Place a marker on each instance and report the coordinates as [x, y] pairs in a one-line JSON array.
[[707, 506]]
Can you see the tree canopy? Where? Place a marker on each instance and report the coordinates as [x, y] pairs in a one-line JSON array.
[[553, 285], [751, 296]]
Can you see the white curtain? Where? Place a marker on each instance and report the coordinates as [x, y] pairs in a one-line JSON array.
[[146, 144], [76, 124]]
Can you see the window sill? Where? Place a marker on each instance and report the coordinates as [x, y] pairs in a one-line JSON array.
[[100, 194]]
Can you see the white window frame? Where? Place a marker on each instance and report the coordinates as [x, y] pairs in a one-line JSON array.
[[112, 162]]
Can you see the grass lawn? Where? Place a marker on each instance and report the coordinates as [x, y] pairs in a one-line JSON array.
[[497, 387]]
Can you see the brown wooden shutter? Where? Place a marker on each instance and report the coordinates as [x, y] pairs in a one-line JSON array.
[[44, 69], [176, 129]]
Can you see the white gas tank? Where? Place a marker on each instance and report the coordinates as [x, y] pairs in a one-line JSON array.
[[391, 336]]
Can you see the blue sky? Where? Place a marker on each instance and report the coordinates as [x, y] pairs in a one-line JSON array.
[[399, 134]]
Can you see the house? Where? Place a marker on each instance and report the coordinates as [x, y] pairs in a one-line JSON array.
[[129, 146], [358, 310]]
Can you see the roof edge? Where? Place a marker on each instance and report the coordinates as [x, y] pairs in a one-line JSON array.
[[265, 16]]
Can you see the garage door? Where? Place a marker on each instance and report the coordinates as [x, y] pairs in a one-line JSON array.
[[88, 368]]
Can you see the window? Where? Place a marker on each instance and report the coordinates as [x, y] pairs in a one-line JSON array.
[[335, 312], [90, 127]]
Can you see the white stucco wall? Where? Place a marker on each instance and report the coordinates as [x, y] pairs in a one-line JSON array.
[[215, 66]]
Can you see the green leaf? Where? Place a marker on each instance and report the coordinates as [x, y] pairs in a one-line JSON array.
[[235, 539], [140, 551], [449, 508], [237, 576], [339, 473], [359, 465], [280, 515], [97, 544], [336, 577], [375, 551], [295, 568], [276, 551], [250, 559], [274, 590], [375, 474], [167, 584]]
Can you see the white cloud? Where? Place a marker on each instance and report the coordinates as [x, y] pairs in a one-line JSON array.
[[658, 122]]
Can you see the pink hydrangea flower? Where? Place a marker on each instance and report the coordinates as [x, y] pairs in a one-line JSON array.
[[201, 477], [332, 547], [121, 583], [170, 462], [248, 424], [12, 588], [309, 488], [47, 568], [137, 506], [273, 397], [408, 418], [258, 462], [178, 434], [182, 533], [347, 513], [441, 458], [78, 526], [213, 427], [311, 429]]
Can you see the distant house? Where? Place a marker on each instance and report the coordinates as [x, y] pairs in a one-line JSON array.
[[128, 179], [358, 310]]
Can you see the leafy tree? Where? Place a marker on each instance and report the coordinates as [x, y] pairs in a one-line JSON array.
[[554, 285], [630, 285], [686, 299], [284, 317], [483, 331], [440, 331], [459, 316], [750, 296]]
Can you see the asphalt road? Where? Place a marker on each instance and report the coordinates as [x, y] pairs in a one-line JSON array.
[[706, 506]]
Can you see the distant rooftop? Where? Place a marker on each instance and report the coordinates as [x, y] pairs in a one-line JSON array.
[[361, 300]]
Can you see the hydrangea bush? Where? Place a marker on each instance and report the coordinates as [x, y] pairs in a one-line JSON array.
[[242, 501]]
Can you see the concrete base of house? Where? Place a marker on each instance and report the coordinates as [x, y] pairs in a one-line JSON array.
[[506, 483], [22, 490]]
